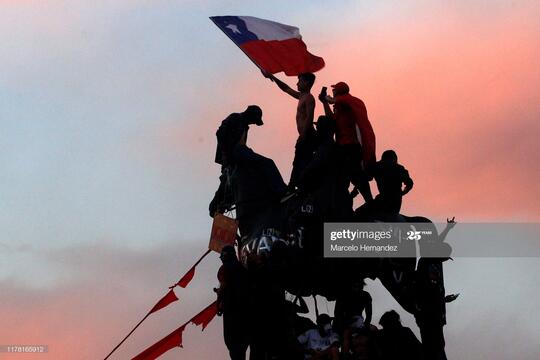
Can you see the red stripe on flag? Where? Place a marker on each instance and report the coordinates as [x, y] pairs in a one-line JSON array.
[[166, 300], [204, 317], [170, 341], [290, 56]]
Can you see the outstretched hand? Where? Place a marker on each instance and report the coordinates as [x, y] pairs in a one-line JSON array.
[[451, 222], [323, 95]]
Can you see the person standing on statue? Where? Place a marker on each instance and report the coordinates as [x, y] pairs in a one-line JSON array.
[[307, 141], [354, 135]]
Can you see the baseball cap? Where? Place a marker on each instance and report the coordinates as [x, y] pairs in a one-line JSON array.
[[341, 87]]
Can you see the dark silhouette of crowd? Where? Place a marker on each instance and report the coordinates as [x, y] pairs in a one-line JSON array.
[[280, 229]]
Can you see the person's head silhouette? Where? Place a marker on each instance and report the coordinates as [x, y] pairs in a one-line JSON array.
[[389, 156], [326, 127], [390, 320], [305, 82]]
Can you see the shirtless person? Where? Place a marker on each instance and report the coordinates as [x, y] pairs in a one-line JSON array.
[[307, 141]]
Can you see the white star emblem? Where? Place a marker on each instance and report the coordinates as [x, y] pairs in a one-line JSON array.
[[233, 28]]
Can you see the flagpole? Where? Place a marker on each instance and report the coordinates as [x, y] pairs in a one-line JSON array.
[[202, 257], [150, 312], [230, 38], [128, 335], [191, 268]]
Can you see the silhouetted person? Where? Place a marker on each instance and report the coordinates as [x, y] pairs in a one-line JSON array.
[[232, 297], [295, 325], [349, 312], [322, 342], [232, 129], [350, 115], [364, 345], [325, 178], [431, 302], [390, 177], [397, 341], [250, 181], [306, 143]]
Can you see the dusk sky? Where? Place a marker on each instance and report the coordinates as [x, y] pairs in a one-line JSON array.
[[108, 112]]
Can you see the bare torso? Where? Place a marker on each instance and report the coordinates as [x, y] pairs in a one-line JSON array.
[[304, 113]]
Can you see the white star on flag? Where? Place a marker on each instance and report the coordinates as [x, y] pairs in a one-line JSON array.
[[233, 28]]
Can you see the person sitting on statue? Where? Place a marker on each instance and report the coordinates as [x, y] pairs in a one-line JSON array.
[[390, 177], [250, 181], [321, 343], [349, 313], [307, 141], [364, 345], [350, 116], [232, 295], [396, 341]]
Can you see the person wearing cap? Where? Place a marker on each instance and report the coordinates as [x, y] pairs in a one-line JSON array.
[[232, 130], [305, 109], [250, 181], [322, 342], [350, 115], [232, 296]]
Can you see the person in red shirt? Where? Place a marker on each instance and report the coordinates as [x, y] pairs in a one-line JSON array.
[[354, 135]]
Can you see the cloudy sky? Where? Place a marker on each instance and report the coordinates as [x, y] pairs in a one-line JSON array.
[[108, 111]]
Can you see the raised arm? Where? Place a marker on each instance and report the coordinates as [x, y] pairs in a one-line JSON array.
[[450, 223], [323, 98], [369, 312], [301, 308], [284, 87]]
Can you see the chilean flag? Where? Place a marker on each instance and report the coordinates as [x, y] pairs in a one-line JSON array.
[[274, 47]]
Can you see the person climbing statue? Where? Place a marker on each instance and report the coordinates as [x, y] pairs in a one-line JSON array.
[[431, 301], [349, 312], [249, 181], [351, 117], [307, 141], [324, 177], [396, 341], [232, 296], [390, 177]]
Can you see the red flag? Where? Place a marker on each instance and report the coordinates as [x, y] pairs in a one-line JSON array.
[[166, 300], [185, 280], [204, 317], [162, 346]]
